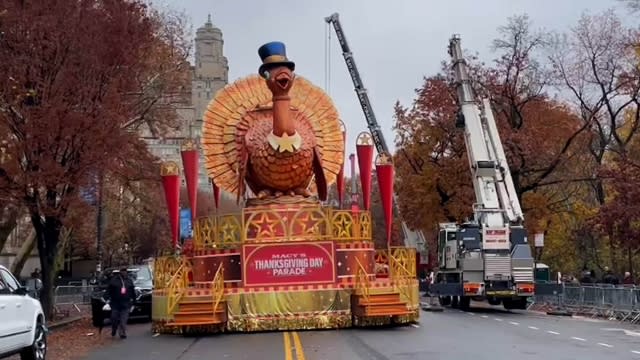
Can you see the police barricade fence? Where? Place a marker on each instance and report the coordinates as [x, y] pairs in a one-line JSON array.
[[70, 299], [594, 300]]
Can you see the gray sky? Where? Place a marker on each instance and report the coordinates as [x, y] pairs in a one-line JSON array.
[[395, 43]]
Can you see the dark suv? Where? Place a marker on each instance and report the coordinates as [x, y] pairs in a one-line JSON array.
[[142, 280]]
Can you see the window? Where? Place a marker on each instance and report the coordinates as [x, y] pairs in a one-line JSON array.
[[9, 280]]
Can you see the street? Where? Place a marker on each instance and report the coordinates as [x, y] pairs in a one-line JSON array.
[[451, 334]]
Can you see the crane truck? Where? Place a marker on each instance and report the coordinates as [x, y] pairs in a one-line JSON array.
[[487, 258], [414, 239]]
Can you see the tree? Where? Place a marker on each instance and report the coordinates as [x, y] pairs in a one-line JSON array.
[[597, 62], [632, 5], [80, 76]]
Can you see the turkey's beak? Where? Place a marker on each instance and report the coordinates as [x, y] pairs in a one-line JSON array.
[[283, 79]]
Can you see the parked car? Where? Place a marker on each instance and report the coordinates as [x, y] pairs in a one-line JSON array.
[[23, 327], [142, 277]]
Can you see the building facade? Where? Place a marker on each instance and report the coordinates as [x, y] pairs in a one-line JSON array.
[[209, 73]]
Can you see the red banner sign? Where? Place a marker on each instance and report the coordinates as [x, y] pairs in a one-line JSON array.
[[287, 264]]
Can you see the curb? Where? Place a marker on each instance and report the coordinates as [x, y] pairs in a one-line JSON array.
[[65, 322]]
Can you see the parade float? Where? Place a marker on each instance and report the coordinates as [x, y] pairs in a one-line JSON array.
[[287, 260]]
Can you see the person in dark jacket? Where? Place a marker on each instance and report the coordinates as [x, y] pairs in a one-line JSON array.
[[120, 294], [609, 277]]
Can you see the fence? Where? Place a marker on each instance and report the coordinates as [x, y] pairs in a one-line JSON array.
[[598, 300], [71, 300]]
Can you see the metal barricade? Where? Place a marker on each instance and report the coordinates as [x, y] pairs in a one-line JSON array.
[[70, 299], [620, 303]]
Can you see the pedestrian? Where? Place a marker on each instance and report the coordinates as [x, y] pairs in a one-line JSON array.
[[34, 284], [628, 279], [609, 277], [120, 294], [586, 278]]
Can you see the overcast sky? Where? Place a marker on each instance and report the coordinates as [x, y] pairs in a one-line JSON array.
[[395, 43]]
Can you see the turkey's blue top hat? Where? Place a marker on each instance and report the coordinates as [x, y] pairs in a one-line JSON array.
[[272, 54]]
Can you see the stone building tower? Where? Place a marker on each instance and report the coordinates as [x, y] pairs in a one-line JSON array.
[[210, 72]]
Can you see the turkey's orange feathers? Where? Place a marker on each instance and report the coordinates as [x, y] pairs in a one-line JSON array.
[[226, 122]]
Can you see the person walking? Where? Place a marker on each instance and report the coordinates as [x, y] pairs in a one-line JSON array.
[[120, 294]]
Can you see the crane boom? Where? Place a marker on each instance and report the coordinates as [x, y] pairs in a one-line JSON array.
[[363, 97], [496, 198], [415, 237]]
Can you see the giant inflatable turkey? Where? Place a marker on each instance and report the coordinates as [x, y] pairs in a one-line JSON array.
[[274, 132]]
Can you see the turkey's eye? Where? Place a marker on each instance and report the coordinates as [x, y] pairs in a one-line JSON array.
[[266, 75]]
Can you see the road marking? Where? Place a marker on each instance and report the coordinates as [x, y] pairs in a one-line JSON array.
[[472, 314], [577, 338], [298, 344], [287, 347], [498, 319], [513, 323], [415, 326], [533, 328], [553, 332], [485, 316], [631, 333], [605, 345], [635, 352]]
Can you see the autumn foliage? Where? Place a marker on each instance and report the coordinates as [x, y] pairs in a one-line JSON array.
[[80, 77]]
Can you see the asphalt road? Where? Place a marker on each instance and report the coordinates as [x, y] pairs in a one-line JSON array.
[[482, 333]]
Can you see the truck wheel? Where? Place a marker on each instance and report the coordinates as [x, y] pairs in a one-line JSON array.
[[520, 304], [444, 300], [455, 302], [465, 302], [508, 304], [495, 301]]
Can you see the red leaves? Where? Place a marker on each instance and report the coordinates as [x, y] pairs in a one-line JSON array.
[[620, 216], [81, 78]]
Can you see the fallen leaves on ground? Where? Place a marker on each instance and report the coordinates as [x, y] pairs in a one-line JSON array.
[[74, 341]]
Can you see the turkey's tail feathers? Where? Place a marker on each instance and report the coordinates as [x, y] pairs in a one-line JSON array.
[[226, 124]]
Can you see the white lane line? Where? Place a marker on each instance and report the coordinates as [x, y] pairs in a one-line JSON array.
[[533, 328], [472, 314], [513, 323], [577, 338], [496, 319], [553, 332], [415, 326], [635, 352], [605, 345], [485, 316]]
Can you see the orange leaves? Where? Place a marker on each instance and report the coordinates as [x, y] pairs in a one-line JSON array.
[[433, 182]]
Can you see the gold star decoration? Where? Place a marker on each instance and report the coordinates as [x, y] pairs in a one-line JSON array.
[[384, 159], [188, 145], [364, 139], [169, 168]]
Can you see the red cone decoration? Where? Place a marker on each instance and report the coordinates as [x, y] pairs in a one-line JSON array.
[[190, 163], [170, 173], [384, 172], [340, 179], [216, 194], [364, 149]]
